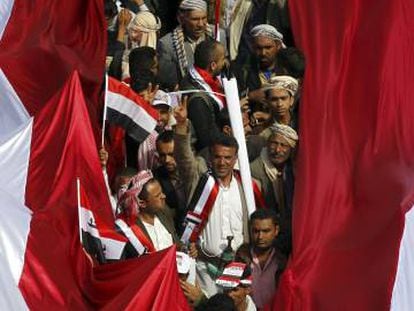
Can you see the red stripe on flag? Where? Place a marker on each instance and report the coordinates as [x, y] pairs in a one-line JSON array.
[[124, 90]]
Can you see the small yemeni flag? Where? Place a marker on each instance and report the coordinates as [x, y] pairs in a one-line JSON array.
[[98, 240], [129, 110]]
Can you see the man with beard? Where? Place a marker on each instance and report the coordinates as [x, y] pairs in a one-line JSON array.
[[266, 43], [204, 108], [176, 49], [168, 177], [274, 170]]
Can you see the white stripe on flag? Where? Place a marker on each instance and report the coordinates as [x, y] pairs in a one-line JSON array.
[[13, 114], [204, 195], [14, 229], [136, 243], [6, 7], [87, 222], [112, 248], [403, 292], [131, 109]]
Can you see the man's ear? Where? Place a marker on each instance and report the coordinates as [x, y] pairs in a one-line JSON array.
[[248, 290], [180, 17], [291, 101], [227, 130], [277, 230], [213, 66], [141, 203]]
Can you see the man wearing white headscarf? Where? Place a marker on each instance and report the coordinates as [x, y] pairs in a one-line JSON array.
[[176, 49], [133, 31], [274, 170]]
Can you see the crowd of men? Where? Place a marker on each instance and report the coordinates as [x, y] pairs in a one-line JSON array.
[[182, 185]]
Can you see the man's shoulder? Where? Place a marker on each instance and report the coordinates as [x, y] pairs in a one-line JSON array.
[[257, 165], [188, 83], [166, 41]]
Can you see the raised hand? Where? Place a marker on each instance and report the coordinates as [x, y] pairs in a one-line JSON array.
[[150, 92], [180, 112], [124, 17], [103, 157]]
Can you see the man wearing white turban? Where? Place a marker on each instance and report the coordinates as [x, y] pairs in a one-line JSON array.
[[176, 49]]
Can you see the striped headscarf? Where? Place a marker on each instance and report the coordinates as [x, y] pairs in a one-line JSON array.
[[128, 203]]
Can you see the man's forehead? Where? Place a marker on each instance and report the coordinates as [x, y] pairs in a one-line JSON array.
[[166, 144], [264, 41], [278, 138], [195, 14], [220, 149], [278, 92], [262, 222]]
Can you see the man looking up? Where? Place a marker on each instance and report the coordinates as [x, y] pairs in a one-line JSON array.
[[225, 214]]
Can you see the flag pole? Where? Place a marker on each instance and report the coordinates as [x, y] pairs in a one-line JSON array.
[[217, 21], [79, 209], [104, 110], [233, 104]]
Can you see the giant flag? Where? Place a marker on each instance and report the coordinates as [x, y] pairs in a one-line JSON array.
[[353, 210], [51, 63]]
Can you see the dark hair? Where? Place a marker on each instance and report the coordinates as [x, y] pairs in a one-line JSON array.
[[165, 137], [141, 60], [222, 139], [292, 61], [127, 171], [223, 118], [264, 213], [110, 8], [140, 83], [206, 53], [218, 302]]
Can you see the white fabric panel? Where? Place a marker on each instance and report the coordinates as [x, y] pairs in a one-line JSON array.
[[13, 114], [14, 162], [5, 11], [403, 292], [15, 219]]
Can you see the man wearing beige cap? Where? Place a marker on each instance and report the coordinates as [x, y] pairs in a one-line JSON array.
[[280, 94]]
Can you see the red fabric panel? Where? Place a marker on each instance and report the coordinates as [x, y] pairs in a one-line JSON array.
[[355, 175], [57, 274], [45, 41], [62, 149], [147, 283]]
